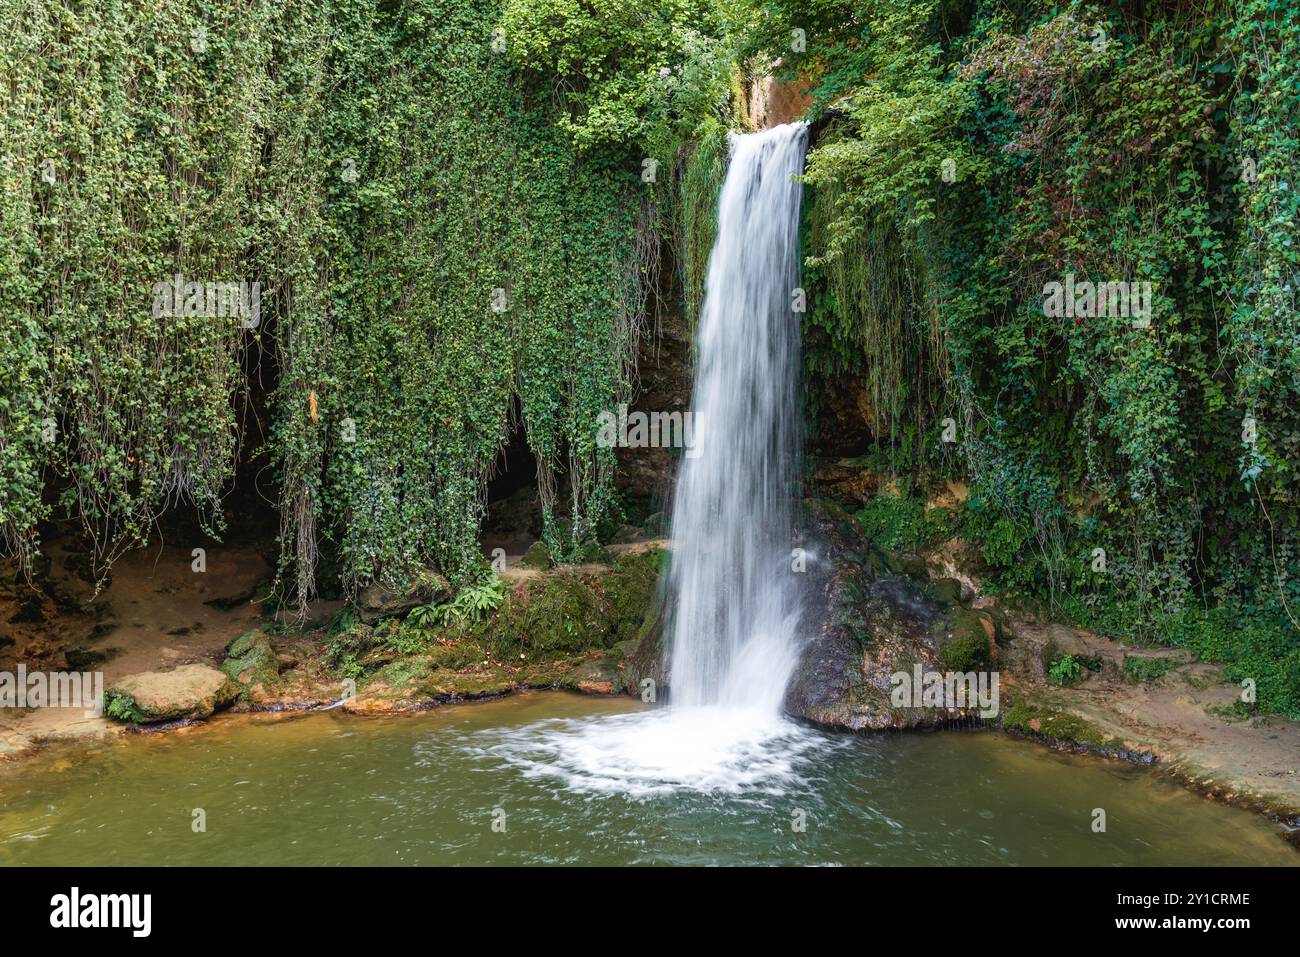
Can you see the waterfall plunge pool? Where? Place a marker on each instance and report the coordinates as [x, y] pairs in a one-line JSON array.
[[568, 779]]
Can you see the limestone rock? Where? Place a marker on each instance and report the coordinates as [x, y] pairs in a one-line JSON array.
[[190, 691]]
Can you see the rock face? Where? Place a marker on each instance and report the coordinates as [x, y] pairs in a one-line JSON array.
[[190, 691], [644, 477], [870, 623], [378, 602], [848, 480]]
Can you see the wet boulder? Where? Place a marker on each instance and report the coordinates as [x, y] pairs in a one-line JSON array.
[[869, 623]]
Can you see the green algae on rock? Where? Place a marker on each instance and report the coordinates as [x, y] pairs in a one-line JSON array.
[[251, 660]]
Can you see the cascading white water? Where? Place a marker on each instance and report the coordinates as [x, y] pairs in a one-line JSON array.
[[734, 604], [734, 608]]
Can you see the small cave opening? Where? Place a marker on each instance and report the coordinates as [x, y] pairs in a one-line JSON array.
[[513, 507]]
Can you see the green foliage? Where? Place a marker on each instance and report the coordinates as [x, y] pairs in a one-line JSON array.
[[1254, 644], [626, 71], [900, 523], [410, 639], [347, 648], [701, 184], [128, 157], [472, 605], [1145, 669], [122, 707], [971, 155], [482, 263], [349, 667], [444, 256], [1065, 670], [344, 621], [474, 602], [425, 617], [381, 170]]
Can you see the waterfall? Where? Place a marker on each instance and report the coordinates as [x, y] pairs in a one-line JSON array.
[[733, 593]]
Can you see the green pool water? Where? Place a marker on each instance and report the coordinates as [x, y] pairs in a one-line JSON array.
[[554, 778]]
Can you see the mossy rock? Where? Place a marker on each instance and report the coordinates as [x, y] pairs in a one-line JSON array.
[[190, 691], [251, 660], [561, 614], [353, 643], [913, 566], [947, 591], [561, 630], [378, 602], [592, 553], [402, 673], [625, 535], [568, 614], [968, 647], [1048, 654], [537, 557], [1026, 718], [245, 643], [482, 684], [633, 592], [452, 657]]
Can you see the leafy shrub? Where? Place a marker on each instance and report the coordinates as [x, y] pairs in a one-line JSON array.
[[901, 523], [1145, 669], [1065, 670], [122, 707]]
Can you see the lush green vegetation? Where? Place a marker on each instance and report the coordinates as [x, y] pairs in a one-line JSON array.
[[1142, 474], [1065, 670], [446, 249], [456, 212], [556, 621]]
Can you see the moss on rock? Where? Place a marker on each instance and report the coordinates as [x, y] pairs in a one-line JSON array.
[[537, 557], [968, 646], [568, 614], [560, 630], [251, 660], [1061, 727]]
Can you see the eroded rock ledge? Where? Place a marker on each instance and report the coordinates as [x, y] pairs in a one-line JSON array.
[[577, 628]]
